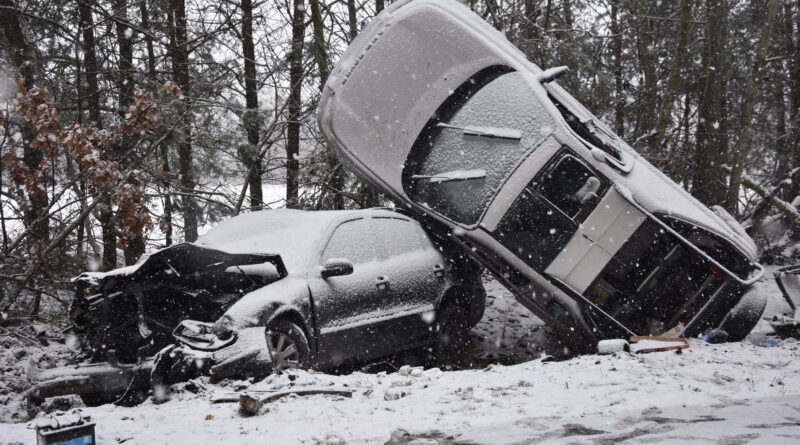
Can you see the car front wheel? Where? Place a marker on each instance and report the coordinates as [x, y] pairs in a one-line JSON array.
[[288, 346]]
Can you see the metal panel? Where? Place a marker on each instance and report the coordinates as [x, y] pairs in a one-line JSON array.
[[596, 241]]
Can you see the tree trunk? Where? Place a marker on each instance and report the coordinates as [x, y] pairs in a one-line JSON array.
[[180, 73], [124, 34], [165, 175], [619, 92], [105, 212], [23, 57], [136, 246], [252, 120], [671, 89], [295, 105], [531, 35], [351, 19], [793, 49], [321, 57], [90, 61], [646, 103], [743, 142], [711, 149], [151, 55]]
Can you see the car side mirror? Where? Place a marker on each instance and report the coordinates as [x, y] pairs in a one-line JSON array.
[[336, 267]]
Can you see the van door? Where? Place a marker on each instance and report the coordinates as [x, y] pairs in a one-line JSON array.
[[568, 222]]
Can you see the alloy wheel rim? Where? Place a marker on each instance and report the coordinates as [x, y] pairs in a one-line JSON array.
[[283, 352]]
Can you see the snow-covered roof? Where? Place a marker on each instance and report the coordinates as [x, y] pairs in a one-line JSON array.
[[295, 235]]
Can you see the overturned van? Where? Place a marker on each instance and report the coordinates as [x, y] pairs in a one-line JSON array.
[[438, 110]]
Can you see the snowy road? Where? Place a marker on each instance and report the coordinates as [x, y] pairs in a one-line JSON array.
[[732, 393]]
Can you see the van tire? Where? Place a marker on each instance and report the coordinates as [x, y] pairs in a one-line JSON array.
[[744, 316], [451, 334]]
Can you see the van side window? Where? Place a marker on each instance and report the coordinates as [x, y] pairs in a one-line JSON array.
[[544, 217], [569, 185], [353, 241]]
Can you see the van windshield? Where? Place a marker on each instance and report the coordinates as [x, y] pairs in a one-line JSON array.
[[489, 125]]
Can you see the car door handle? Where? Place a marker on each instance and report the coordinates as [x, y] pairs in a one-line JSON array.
[[382, 283], [438, 270]]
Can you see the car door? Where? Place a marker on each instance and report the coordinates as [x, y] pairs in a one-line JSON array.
[[345, 306], [417, 277]]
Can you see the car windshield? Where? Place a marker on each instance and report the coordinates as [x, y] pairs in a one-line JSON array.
[[479, 135]]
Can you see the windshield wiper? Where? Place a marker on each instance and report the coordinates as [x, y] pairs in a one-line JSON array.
[[488, 132], [456, 175]]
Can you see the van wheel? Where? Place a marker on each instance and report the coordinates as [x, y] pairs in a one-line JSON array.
[[451, 343], [744, 316], [287, 346]]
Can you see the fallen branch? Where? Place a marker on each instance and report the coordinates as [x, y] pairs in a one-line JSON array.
[[251, 403], [788, 210]]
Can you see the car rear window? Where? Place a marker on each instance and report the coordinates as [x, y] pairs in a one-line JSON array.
[[477, 138]]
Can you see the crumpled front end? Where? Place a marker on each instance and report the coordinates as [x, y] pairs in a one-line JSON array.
[[126, 316], [123, 318]]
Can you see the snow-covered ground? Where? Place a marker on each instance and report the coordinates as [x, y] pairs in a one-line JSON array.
[[730, 393]]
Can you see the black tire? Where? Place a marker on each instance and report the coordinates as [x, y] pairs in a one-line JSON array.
[[281, 335], [451, 341], [744, 316]]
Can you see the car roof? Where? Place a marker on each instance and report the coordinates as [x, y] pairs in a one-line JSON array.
[[293, 234]]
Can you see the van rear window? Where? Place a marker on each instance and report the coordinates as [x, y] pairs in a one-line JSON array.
[[477, 138]]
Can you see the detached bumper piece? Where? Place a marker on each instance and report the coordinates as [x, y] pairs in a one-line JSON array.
[[124, 383]]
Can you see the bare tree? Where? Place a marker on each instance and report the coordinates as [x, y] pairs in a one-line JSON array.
[[295, 105], [743, 141], [180, 73], [711, 147]]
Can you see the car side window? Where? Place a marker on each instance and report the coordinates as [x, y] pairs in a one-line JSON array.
[[397, 236], [352, 240]]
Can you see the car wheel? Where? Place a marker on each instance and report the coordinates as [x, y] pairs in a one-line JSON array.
[[288, 346], [744, 316], [451, 343]]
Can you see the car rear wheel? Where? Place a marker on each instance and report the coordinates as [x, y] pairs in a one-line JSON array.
[[288, 346], [451, 343]]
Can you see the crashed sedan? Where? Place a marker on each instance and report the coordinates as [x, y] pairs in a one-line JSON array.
[[263, 292], [434, 107]]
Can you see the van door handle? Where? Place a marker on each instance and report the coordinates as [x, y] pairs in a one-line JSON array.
[[382, 283], [438, 270]]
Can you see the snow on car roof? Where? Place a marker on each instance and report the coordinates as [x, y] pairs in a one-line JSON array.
[[295, 235]]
